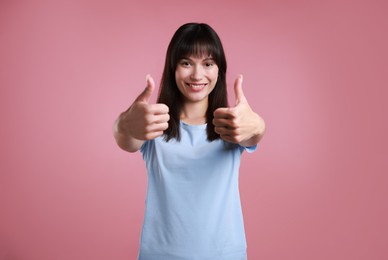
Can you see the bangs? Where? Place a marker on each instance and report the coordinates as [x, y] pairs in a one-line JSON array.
[[200, 44], [198, 50]]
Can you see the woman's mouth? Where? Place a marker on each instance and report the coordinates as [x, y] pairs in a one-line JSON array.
[[196, 86]]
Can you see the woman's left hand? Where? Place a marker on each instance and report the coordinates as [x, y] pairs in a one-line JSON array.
[[239, 124]]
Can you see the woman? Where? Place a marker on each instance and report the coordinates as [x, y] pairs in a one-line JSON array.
[[191, 142]]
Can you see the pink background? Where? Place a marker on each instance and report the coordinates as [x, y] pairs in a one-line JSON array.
[[316, 71]]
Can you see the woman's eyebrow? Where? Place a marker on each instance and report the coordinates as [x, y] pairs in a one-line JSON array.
[[204, 59]]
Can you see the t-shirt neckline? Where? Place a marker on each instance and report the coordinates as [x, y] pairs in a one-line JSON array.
[[186, 125]]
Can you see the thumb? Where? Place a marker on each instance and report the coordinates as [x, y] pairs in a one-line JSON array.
[[239, 94], [147, 92]]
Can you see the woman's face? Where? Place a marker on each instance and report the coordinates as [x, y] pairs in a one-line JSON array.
[[196, 78]]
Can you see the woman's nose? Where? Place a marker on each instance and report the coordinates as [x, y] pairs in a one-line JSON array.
[[197, 73]]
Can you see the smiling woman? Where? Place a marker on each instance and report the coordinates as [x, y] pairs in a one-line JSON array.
[[192, 144], [196, 79], [195, 44]]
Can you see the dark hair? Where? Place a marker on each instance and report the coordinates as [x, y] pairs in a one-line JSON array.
[[195, 39]]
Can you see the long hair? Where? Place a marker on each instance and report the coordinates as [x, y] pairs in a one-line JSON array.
[[192, 39]]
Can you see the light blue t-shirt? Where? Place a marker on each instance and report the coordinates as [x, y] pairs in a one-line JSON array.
[[193, 209]]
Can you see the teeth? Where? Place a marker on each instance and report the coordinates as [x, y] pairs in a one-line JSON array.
[[196, 86]]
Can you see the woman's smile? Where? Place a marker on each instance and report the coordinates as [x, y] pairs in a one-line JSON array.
[[196, 87]]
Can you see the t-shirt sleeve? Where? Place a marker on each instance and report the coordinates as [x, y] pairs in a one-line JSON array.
[[144, 149], [249, 149]]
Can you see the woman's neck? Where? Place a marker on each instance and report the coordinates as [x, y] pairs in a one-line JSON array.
[[194, 113]]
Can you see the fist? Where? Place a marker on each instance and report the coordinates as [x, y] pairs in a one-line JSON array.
[[239, 124], [142, 120]]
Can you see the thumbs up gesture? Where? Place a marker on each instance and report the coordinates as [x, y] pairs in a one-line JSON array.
[[239, 124], [141, 121]]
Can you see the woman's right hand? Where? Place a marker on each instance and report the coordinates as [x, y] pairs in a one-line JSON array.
[[141, 121]]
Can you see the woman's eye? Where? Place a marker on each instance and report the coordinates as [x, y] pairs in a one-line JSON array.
[[209, 64], [185, 63]]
